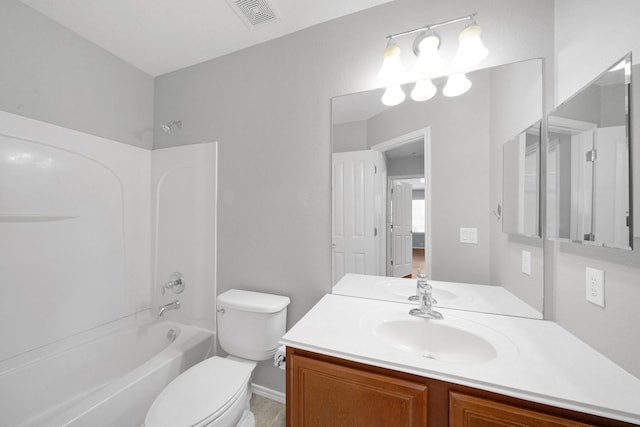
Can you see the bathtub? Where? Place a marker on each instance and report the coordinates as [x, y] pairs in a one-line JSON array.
[[106, 377]]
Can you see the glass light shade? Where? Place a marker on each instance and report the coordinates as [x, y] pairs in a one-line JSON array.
[[457, 84], [429, 62], [471, 50], [392, 71], [393, 95], [423, 90]]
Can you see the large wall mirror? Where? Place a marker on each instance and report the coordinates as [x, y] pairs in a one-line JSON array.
[[589, 180], [419, 185]]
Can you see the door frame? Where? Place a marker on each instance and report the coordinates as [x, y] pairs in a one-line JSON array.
[[410, 137]]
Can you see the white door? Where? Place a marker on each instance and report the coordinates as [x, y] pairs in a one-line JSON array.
[[612, 187], [582, 192], [401, 238], [356, 213]]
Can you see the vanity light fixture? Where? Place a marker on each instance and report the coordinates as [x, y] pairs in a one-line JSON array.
[[423, 90], [429, 63], [457, 84], [393, 95], [471, 50]]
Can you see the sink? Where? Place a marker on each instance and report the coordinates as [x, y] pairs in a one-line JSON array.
[[451, 340], [404, 288]]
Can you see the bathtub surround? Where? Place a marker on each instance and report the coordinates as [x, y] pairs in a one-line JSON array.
[[74, 222], [184, 230], [76, 227]]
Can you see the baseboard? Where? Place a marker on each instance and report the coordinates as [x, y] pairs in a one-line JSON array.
[[268, 393]]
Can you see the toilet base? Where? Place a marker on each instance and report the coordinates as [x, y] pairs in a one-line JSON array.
[[247, 420]]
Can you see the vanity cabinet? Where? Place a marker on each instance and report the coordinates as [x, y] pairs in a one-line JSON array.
[[325, 391]]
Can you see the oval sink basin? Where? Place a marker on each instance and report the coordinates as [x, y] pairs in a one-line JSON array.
[[404, 288], [451, 340]]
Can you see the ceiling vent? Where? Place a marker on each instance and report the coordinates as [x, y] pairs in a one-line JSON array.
[[253, 12]]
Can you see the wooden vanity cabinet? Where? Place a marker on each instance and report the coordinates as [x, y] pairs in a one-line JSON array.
[[324, 391]]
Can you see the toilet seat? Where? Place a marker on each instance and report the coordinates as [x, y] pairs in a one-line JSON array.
[[200, 394]]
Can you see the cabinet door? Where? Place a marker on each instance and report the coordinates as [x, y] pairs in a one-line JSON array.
[[470, 411], [325, 394]]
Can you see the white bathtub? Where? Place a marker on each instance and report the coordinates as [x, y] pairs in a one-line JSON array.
[[106, 377]]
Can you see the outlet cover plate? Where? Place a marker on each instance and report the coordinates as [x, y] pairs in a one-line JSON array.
[[595, 286], [469, 235]]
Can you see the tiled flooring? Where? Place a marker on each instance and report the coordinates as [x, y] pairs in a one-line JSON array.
[[268, 413]]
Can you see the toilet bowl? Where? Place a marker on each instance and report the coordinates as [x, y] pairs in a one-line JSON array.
[[217, 391]]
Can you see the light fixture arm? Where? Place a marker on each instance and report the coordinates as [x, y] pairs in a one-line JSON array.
[[431, 26]]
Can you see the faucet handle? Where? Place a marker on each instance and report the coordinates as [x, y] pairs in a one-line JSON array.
[[176, 283]]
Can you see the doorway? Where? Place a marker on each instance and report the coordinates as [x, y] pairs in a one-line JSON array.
[[408, 176], [406, 212]]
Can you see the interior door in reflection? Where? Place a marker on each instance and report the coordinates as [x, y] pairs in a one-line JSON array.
[[401, 237], [356, 215]]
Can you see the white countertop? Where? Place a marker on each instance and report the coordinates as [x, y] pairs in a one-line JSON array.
[[537, 360], [461, 296]]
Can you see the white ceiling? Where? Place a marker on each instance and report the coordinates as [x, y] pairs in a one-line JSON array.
[[160, 36]]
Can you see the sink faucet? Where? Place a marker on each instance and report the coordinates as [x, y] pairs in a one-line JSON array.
[[175, 305], [426, 301]]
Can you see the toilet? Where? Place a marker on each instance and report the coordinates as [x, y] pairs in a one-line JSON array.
[[216, 392]]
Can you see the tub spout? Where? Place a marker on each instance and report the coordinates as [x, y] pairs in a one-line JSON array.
[[175, 305]]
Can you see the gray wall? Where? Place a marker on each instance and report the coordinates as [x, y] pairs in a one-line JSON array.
[[268, 107], [582, 55], [51, 74], [351, 136]]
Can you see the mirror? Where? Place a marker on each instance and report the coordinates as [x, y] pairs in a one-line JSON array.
[[417, 186], [588, 171], [520, 183]]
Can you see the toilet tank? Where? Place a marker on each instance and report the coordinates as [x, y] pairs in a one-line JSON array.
[[250, 324]]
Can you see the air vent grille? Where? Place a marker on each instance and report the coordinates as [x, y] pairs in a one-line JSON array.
[[254, 12]]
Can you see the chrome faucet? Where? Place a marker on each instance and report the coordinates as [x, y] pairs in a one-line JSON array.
[[426, 301], [175, 305]]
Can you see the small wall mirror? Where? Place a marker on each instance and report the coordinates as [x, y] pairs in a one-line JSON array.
[[588, 163], [521, 183]]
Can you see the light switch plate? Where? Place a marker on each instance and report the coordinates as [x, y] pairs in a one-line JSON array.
[[469, 235], [526, 262], [595, 286]]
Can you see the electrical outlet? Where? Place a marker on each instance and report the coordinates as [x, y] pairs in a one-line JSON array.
[[526, 262], [595, 286]]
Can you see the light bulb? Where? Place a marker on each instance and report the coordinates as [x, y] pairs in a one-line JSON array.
[[429, 63], [392, 71], [457, 84], [471, 50], [393, 95], [423, 90]]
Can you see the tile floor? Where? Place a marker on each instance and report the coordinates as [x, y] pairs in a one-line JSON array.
[[268, 413]]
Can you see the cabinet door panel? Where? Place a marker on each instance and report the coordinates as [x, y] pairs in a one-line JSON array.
[[325, 394], [470, 411]]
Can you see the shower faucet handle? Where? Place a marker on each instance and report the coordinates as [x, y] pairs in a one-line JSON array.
[[176, 283]]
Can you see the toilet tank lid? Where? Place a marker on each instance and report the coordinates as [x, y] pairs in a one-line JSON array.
[[255, 302]]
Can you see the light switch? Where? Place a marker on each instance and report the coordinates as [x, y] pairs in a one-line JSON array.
[[595, 286], [526, 262], [469, 235]]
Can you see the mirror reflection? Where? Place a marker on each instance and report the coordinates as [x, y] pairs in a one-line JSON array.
[[416, 186], [588, 180], [520, 183]]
